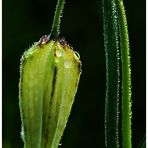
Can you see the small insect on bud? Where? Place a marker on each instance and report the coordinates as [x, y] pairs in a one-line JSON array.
[[49, 77]]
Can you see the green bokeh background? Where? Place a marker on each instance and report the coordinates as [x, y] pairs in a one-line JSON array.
[[25, 21]]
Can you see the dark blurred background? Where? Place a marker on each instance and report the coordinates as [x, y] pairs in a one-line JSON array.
[[25, 21]]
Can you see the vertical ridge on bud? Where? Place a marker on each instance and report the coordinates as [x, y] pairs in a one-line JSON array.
[[49, 78], [66, 81], [31, 86]]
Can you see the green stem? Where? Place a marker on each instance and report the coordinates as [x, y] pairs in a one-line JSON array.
[[126, 76], [112, 74], [57, 19]]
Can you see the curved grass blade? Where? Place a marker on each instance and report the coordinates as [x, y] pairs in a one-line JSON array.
[[126, 76], [112, 73]]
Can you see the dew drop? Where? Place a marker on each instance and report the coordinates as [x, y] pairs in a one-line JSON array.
[[67, 64], [59, 53], [77, 54]]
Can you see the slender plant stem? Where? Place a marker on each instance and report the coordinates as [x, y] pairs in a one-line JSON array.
[[112, 73], [57, 19], [126, 76]]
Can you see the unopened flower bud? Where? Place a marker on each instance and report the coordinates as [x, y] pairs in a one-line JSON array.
[[49, 77]]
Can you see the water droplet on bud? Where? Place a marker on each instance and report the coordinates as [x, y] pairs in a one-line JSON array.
[[77, 55], [67, 64], [59, 53]]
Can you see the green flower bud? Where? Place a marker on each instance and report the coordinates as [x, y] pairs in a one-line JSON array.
[[49, 77]]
